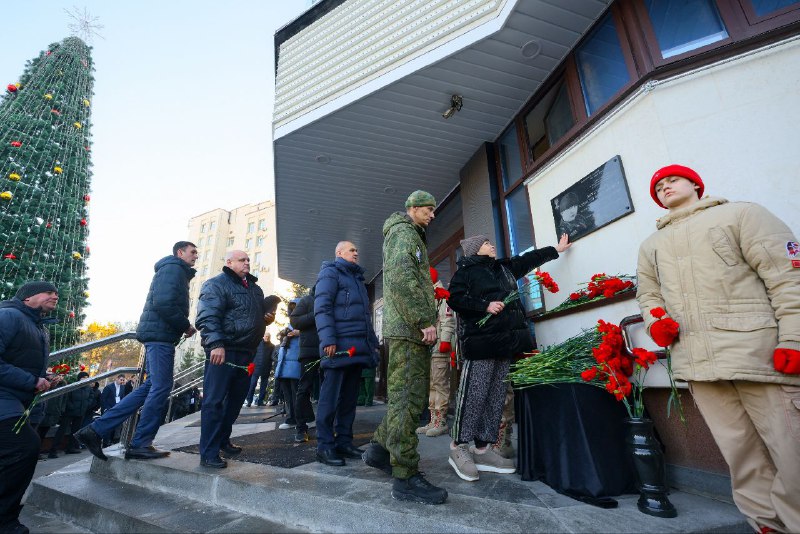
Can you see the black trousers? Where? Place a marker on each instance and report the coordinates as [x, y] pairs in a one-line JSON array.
[[289, 387], [18, 456], [303, 409], [67, 425]]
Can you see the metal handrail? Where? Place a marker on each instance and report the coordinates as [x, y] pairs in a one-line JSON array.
[[63, 390], [89, 345], [629, 321]]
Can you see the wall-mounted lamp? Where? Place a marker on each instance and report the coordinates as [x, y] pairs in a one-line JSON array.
[[455, 105]]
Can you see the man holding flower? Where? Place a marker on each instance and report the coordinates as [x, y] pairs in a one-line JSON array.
[[719, 283], [24, 351]]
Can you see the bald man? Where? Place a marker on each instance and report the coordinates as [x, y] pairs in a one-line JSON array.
[[230, 317]]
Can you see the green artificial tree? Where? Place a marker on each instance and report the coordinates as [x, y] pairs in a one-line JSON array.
[[45, 132]]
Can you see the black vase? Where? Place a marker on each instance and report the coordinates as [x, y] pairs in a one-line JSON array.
[[650, 468]]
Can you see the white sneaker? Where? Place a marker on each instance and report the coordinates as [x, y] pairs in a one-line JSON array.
[[284, 426], [461, 461], [492, 462]]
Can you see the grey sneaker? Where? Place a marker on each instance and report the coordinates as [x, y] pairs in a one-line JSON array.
[[491, 461], [461, 461]]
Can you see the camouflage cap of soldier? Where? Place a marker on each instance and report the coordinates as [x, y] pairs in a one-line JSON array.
[[420, 198]]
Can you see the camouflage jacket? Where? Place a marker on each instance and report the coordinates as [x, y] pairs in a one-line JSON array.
[[409, 305]]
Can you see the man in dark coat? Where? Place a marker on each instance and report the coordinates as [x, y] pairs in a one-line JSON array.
[[164, 320], [230, 316], [302, 319], [347, 344], [24, 351], [75, 408]]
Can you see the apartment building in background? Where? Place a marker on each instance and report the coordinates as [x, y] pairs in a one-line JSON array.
[[250, 228]]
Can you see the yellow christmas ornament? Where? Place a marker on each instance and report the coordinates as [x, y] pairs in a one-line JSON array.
[[76, 255], [77, 125], [48, 96], [18, 85], [6, 195], [14, 177], [85, 103], [58, 170], [86, 294]]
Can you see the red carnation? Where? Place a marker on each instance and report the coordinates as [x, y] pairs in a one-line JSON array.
[[453, 359], [664, 331], [589, 374], [658, 312], [251, 368], [440, 293], [351, 352]]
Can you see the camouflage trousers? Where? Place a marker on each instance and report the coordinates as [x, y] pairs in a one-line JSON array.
[[408, 376]]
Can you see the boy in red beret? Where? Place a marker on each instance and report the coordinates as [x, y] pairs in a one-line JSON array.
[[727, 274]]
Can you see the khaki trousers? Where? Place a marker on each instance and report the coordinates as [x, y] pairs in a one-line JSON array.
[[439, 396], [757, 427]]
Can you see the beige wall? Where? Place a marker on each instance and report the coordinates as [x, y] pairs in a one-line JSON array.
[[734, 122]]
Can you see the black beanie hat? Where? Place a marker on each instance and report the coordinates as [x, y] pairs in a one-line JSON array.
[[30, 289]]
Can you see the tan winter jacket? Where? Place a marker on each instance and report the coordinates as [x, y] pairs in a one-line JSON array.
[[724, 272], [445, 326]]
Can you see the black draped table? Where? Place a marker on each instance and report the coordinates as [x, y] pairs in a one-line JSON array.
[[571, 437]]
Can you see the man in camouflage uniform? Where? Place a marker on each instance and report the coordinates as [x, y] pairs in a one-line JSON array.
[[439, 395], [408, 324]]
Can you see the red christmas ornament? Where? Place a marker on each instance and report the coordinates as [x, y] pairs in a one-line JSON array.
[[11, 88], [48, 52], [86, 148], [71, 314], [87, 249], [83, 222], [16, 144], [54, 111], [10, 256], [48, 225], [87, 198]]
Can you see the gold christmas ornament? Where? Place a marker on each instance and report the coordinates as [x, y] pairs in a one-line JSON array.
[[6, 195], [48, 96], [57, 169], [85, 103], [76, 255], [86, 294], [77, 125], [14, 177]]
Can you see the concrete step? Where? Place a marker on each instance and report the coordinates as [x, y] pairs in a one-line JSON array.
[[88, 502]]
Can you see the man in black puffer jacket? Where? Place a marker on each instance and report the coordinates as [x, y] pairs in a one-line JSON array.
[[164, 320], [302, 318], [231, 319], [24, 350]]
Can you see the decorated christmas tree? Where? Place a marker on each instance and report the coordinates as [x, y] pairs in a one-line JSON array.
[[45, 132]]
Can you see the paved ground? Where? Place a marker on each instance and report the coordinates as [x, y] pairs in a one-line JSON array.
[[502, 490]]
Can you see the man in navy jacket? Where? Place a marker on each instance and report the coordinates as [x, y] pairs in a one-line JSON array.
[[164, 320], [347, 344], [24, 351]]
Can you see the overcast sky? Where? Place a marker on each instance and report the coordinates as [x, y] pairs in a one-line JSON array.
[[181, 114]]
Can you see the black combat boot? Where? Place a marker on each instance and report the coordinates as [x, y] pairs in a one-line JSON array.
[[417, 489]]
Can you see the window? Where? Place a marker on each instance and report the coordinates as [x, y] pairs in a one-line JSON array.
[[766, 7], [601, 65], [257, 259], [548, 121], [247, 243], [230, 242], [251, 227], [684, 25], [200, 242], [203, 228], [209, 240], [260, 241], [518, 217], [510, 159], [262, 224], [212, 226]]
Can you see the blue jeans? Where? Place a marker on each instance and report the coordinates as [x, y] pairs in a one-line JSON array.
[[224, 390], [337, 406], [153, 395]]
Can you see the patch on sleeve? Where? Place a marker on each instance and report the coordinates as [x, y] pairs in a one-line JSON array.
[[419, 254], [792, 249], [796, 264]]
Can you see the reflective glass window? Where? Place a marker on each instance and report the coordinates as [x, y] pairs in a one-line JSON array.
[[601, 65], [684, 25]]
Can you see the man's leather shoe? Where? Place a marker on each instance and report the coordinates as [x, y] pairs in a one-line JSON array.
[[92, 440], [216, 463], [145, 453], [329, 457], [230, 449], [349, 451]]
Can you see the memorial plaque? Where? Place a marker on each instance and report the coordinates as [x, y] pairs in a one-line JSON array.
[[597, 199]]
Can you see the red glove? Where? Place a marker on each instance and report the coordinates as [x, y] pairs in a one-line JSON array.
[[787, 361], [664, 332], [445, 347], [441, 293]]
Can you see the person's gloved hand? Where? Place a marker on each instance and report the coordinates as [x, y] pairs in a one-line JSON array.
[[664, 331], [445, 347], [787, 361]]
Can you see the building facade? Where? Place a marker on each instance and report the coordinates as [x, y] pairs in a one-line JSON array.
[[513, 112], [250, 228]]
